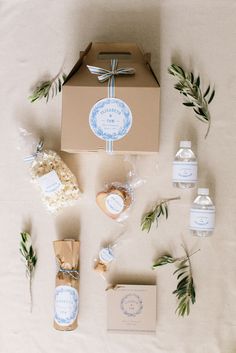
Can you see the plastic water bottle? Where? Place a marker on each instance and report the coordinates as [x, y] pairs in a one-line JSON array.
[[202, 215], [185, 167]]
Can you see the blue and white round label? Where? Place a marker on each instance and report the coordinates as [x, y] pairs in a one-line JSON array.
[[106, 255], [110, 119]]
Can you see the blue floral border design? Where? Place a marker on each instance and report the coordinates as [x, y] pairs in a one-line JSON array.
[[140, 305], [69, 319], [99, 132]]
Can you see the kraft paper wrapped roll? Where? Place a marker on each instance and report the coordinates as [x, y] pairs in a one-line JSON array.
[[66, 305]]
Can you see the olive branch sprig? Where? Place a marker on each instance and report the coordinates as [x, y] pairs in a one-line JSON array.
[[185, 290], [47, 89], [189, 86], [160, 209], [30, 259]]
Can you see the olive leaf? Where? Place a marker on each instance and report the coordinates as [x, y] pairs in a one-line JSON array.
[[30, 259], [160, 209], [189, 87], [185, 290], [47, 89], [164, 260]]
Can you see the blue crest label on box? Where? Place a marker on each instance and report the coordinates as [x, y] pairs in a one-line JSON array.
[[110, 119]]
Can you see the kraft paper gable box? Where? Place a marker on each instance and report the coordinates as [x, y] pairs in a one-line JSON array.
[[131, 308], [136, 128]]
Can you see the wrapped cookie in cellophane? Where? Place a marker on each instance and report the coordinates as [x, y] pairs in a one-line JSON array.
[[117, 198], [66, 305], [58, 185]]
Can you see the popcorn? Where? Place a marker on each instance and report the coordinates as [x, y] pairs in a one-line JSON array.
[[58, 185]]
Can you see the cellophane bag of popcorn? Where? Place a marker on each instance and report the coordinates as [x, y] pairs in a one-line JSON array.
[[57, 184]]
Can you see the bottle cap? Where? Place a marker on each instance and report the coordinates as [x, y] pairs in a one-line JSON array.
[[203, 191], [186, 144]]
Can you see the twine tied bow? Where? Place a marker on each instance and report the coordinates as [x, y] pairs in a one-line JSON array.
[[73, 273]]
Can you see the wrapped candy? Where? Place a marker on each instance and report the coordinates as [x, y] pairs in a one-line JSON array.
[[108, 254], [105, 257]]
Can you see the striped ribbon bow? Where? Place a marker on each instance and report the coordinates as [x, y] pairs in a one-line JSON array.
[[109, 75], [39, 148]]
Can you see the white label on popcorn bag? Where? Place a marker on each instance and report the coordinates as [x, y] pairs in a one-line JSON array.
[[202, 219], [50, 183], [66, 305], [114, 203], [110, 119], [185, 172]]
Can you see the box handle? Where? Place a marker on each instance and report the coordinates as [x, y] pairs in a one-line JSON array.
[[105, 55]]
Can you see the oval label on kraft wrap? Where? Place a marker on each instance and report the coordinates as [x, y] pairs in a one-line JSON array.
[[66, 305], [110, 119]]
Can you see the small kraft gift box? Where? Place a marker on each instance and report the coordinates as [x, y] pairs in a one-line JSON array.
[[110, 101], [131, 309]]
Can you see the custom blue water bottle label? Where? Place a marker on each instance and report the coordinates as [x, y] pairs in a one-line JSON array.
[[110, 119], [185, 172], [202, 219], [66, 305]]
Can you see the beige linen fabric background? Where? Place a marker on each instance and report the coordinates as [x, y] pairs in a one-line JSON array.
[[37, 39]]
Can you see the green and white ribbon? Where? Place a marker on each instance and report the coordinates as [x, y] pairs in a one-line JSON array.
[[104, 75]]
